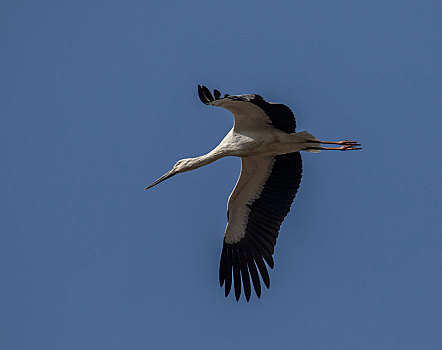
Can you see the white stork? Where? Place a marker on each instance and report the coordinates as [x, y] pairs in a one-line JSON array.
[[264, 136]]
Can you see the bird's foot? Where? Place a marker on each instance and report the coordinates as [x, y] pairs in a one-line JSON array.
[[349, 143], [349, 147]]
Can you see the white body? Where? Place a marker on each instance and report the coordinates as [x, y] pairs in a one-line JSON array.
[[263, 142]]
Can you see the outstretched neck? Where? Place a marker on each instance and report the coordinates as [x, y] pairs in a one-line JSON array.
[[198, 162]]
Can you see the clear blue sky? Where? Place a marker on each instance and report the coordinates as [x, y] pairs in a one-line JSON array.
[[98, 99]]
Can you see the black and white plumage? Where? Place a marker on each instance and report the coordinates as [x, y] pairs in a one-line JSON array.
[[265, 138]]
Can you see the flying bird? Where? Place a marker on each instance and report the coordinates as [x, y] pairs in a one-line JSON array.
[[264, 137]]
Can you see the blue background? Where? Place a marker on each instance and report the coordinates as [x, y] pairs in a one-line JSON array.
[[98, 99]]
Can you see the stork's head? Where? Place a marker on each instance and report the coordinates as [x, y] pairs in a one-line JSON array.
[[180, 167], [186, 164]]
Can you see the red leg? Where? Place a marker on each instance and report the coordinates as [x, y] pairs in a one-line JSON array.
[[345, 142], [342, 148]]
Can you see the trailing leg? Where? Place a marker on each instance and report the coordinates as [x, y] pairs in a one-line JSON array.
[[346, 145]]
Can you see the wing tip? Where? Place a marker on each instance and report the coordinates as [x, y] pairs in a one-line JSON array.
[[206, 96], [201, 95], [236, 275]]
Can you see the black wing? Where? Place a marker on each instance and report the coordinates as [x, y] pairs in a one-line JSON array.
[[251, 107], [254, 222]]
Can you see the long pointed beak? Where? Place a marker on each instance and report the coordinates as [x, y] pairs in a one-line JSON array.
[[162, 178]]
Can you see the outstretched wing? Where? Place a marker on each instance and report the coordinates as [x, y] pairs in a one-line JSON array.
[[251, 111], [257, 206]]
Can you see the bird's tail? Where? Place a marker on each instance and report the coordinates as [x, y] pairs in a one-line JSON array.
[[310, 147]]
